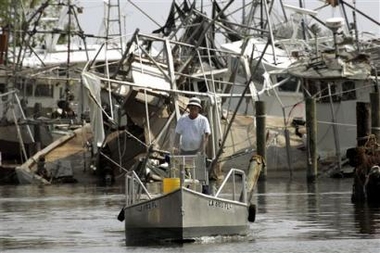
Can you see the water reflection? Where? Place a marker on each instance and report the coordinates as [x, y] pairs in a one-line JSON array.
[[367, 218], [312, 200], [261, 200], [317, 210]]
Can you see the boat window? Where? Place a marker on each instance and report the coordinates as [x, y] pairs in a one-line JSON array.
[[2, 90], [348, 91], [289, 86], [314, 89], [29, 90], [2, 87], [62, 93], [43, 90], [325, 98], [26, 87]]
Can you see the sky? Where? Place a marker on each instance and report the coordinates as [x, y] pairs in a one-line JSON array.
[[156, 13]]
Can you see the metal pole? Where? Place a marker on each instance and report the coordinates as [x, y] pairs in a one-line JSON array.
[[361, 13], [68, 52], [311, 127], [362, 123], [270, 33], [261, 135], [220, 151], [375, 114], [303, 21], [335, 131]]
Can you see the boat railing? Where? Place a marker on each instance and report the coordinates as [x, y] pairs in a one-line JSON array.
[[134, 188], [236, 195], [189, 171], [189, 168]]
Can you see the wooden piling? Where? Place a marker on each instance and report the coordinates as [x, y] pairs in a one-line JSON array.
[[261, 135], [362, 122], [311, 128], [375, 114]]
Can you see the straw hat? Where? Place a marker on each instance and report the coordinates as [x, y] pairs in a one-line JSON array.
[[195, 101]]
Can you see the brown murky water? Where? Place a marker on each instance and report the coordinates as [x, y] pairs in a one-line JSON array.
[[292, 217]]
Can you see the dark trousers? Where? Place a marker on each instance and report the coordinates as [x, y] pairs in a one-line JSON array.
[[189, 152]]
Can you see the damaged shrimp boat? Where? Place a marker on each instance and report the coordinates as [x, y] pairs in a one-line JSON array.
[[50, 59], [153, 99], [342, 77], [43, 106], [171, 197], [338, 77], [66, 160], [141, 87]]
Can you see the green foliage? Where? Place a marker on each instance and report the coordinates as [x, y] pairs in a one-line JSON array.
[[4, 12], [11, 10]]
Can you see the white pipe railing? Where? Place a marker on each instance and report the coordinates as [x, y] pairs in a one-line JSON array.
[[232, 174], [130, 187]]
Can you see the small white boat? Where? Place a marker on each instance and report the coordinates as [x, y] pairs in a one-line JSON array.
[[185, 209]]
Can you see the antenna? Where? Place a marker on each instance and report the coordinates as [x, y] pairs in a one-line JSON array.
[[334, 24], [300, 10]]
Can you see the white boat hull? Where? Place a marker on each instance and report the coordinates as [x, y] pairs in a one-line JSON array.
[[184, 215]]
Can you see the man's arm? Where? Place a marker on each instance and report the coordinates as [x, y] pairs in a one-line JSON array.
[[207, 132], [203, 146]]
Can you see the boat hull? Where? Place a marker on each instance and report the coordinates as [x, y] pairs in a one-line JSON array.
[[184, 215]]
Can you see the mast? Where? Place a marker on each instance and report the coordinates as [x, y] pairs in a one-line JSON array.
[[113, 17], [355, 26], [113, 23], [67, 89], [303, 21]]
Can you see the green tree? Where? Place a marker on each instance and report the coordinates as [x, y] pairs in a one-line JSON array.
[[4, 12], [12, 10]]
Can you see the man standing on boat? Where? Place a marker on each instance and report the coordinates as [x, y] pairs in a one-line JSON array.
[[192, 130]]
